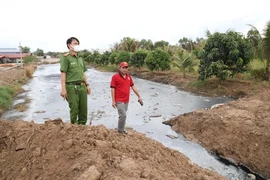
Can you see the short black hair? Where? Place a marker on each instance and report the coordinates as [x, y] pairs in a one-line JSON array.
[[70, 40]]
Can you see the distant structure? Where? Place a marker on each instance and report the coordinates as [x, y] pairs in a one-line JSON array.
[[9, 51], [11, 55]]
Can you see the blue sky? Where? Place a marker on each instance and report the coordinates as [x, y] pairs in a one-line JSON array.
[[46, 24]]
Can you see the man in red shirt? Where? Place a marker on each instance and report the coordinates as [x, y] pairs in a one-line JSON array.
[[120, 91]]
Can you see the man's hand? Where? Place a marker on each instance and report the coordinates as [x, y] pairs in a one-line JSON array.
[[64, 93], [88, 90], [140, 101], [114, 104]]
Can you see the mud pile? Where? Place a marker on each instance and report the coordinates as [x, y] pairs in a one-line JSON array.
[[239, 130], [57, 150]]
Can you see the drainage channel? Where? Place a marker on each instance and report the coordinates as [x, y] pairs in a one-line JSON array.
[[161, 102], [195, 152], [227, 162]]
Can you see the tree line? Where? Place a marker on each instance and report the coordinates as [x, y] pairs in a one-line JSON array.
[[221, 55]]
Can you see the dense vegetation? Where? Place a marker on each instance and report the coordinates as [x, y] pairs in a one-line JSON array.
[[220, 55]]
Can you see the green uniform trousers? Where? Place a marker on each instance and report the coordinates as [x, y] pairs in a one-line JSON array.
[[77, 100]]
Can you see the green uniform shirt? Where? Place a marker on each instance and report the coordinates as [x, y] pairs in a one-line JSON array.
[[73, 66]]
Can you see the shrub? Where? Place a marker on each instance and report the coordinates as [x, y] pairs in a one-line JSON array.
[[29, 71], [257, 73], [6, 94], [30, 59]]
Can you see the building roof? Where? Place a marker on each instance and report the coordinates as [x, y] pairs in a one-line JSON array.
[[14, 56], [9, 50]]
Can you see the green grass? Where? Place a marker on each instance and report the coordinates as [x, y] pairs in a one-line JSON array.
[[198, 84], [255, 71], [257, 64], [6, 94], [108, 68]]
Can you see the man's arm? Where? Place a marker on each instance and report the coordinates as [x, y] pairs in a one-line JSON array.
[[63, 85], [85, 78], [87, 85], [135, 90], [113, 97]]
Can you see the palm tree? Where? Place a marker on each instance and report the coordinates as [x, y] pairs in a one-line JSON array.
[[169, 49], [146, 44], [208, 33], [129, 44], [115, 47], [184, 61], [256, 39], [266, 49]]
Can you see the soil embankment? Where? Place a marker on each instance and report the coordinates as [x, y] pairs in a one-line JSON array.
[[238, 130], [57, 150]]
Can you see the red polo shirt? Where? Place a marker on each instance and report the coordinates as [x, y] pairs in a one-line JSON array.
[[122, 87]]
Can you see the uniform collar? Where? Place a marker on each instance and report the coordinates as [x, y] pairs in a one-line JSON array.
[[73, 53]]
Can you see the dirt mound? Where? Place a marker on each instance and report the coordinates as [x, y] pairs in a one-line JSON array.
[[238, 130], [57, 150]]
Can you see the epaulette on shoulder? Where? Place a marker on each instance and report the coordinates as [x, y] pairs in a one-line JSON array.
[[66, 54]]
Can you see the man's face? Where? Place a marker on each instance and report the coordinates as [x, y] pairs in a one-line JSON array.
[[124, 70], [72, 44]]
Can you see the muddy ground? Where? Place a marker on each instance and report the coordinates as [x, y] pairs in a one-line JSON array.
[[57, 150], [237, 130]]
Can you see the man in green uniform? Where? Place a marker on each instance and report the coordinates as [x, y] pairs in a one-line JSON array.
[[74, 82]]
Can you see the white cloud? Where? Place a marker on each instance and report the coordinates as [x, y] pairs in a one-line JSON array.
[[100, 23]]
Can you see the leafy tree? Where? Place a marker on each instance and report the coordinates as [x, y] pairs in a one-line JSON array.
[[169, 49], [158, 59], [266, 49], [199, 40], [113, 57], [39, 52], [86, 55], [146, 44], [184, 61], [198, 46], [129, 44], [260, 47], [30, 59], [161, 44], [54, 54], [115, 47], [93, 57], [255, 38], [104, 58], [186, 44], [224, 54], [25, 49], [123, 56], [137, 59]]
